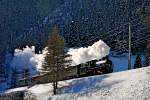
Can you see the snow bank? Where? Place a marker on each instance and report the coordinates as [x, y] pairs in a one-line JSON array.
[[97, 51], [27, 59], [16, 89]]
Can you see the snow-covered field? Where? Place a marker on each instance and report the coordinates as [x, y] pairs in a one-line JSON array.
[[126, 85]]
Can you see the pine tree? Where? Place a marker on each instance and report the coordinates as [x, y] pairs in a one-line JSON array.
[[56, 62], [147, 54], [145, 16], [1, 68], [138, 63], [14, 77], [26, 77]]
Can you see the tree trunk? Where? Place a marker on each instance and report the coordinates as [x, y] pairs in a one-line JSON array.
[[54, 88]]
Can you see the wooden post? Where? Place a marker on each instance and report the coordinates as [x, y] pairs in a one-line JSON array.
[[129, 56]]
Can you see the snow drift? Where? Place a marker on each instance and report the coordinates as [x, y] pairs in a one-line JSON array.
[[95, 52]]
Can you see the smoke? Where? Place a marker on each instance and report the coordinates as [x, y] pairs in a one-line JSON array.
[[27, 59], [95, 52]]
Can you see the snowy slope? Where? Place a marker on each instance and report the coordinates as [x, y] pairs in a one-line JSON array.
[[128, 85]]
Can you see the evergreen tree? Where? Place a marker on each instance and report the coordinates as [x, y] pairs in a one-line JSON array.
[[2, 69], [26, 77], [145, 16], [14, 78], [56, 62], [147, 54], [138, 63]]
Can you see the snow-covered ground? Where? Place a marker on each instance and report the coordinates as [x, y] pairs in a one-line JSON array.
[[16, 89], [126, 85], [45, 91]]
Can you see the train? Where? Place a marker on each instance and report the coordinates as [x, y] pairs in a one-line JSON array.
[[90, 68]]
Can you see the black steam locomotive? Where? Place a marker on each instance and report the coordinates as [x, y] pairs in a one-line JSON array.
[[90, 68], [93, 67]]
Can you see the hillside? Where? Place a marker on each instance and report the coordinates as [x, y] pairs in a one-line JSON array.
[[29, 22], [127, 85], [17, 17]]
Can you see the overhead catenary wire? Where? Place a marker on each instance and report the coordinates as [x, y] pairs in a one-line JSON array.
[[117, 33]]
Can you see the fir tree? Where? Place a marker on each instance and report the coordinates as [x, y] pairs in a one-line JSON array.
[[14, 81], [145, 16], [138, 63], [56, 62], [147, 54], [26, 77]]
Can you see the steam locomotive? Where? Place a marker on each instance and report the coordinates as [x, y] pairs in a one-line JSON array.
[[90, 68]]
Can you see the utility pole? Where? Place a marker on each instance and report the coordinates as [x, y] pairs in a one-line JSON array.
[[129, 56]]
